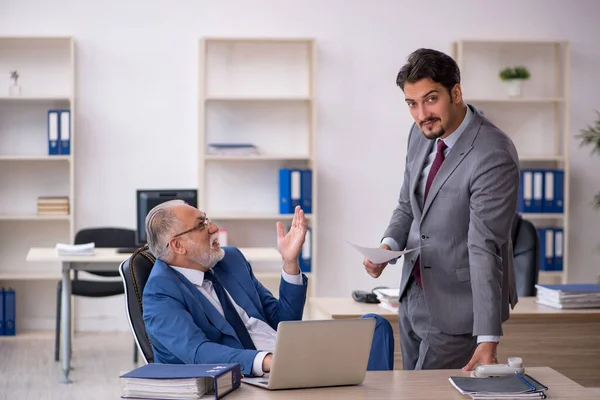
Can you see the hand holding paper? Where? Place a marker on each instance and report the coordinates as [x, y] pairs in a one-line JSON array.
[[379, 255]]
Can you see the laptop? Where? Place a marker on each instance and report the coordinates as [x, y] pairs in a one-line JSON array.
[[319, 353]]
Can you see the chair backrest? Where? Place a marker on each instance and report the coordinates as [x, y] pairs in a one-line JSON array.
[[135, 272], [106, 237], [526, 256]]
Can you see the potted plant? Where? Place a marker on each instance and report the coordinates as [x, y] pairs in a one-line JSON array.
[[591, 136], [14, 89], [514, 78]]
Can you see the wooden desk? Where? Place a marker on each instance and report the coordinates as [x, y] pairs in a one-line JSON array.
[[566, 340], [432, 384]]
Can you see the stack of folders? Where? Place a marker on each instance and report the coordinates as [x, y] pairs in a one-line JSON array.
[[85, 249], [53, 205], [181, 381], [514, 386], [389, 298], [574, 295]]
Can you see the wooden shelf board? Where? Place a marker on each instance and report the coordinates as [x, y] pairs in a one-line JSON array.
[[259, 157], [251, 216], [258, 98], [29, 157], [516, 100], [33, 217], [543, 215]]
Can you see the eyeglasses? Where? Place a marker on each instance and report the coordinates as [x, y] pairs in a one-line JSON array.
[[201, 225]]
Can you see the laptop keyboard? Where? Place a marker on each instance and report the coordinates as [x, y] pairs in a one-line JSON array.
[[264, 382]]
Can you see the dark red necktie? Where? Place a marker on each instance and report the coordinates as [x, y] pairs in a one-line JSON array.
[[437, 163]]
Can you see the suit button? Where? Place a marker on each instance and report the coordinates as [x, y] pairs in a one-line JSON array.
[[423, 237], [412, 260]]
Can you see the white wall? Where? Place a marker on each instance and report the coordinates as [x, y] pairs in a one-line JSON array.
[[136, 104]]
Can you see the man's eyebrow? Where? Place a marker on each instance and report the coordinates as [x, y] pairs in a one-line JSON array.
[[425, 95]]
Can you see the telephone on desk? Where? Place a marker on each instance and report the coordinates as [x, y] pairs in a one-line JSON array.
[[515, 364]]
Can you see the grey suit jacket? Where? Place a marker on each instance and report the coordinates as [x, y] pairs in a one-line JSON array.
[[467, 265]]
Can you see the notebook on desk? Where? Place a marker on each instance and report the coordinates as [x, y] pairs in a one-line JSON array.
[[319, 353]]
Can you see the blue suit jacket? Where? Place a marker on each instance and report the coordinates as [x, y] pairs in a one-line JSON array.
[[185, 328]]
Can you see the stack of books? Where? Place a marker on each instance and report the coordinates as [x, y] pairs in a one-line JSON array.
[[389, 298], [181, 381], [53, 205], [575, 295], [513, 386]]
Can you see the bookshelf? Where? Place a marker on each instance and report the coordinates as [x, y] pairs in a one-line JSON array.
[[259, 91], [537, 122], [46, 67]]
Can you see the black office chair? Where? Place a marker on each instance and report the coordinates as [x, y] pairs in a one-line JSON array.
[[526, 255], [102, 237], [134, 273]]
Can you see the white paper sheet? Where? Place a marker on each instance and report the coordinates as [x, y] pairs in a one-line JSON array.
[[377, 255]]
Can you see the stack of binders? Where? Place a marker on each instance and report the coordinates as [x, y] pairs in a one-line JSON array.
[[541, 191], [59, 132], [8, 312]]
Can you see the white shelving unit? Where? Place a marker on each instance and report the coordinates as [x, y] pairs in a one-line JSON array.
[[46, 66], [259, 91], [537, 122]]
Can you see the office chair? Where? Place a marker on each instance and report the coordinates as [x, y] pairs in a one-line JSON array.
[[102, 237], [134, 273], [526, 255]]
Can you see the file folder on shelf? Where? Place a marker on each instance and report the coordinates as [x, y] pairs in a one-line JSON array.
[[9, 312], [65, 132], [285, 191], [53, 132], [306, 190], [1, 311]]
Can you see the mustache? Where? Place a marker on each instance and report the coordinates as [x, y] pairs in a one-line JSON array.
[[428, 120]]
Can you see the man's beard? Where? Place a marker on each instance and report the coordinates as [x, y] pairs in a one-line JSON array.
[[433, 135], [206, 256]]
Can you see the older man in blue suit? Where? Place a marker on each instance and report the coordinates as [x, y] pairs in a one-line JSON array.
[[202, 303]]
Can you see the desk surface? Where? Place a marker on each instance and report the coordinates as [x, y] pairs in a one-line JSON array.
[[431, 384], [526, 308]]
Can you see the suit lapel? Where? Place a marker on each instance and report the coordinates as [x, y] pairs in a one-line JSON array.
[[211, 312], [236, 290], [460, 150], [423, 151]]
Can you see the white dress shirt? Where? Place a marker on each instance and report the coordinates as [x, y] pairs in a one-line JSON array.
[[450, 142], [262, 335]]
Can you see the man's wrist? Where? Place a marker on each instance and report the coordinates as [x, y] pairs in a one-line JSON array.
[[257, 365], [291, 267]]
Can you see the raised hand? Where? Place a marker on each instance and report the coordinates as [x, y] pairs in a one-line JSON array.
[[290, 244]]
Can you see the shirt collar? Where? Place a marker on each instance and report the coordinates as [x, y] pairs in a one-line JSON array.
[[453, 137], [193, 275]]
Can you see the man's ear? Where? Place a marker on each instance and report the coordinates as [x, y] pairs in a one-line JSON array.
[[456, 94], [177, 246]]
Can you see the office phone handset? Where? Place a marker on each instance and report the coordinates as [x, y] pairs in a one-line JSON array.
[[515, 364]]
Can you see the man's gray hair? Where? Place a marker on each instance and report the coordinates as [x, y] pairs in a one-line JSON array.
[[160, 224]]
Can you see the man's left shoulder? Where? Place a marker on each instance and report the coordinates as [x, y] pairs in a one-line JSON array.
[[492, 139]]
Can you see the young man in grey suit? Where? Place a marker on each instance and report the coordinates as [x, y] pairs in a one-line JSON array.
[[458, 199]]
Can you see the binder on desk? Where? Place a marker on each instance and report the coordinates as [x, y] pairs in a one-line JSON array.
[[53, 132], [190, 381], [10, 312], [65, 132]]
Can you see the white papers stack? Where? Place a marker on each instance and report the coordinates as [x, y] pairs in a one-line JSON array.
[[576, 295], [389, 299], [85, 249], [184, 389], [232, 149]]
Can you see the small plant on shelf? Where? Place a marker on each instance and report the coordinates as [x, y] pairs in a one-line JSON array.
[[591, 137], [14, 89], [514, 78]]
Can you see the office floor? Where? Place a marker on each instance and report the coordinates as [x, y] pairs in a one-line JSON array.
[[28, 370]]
